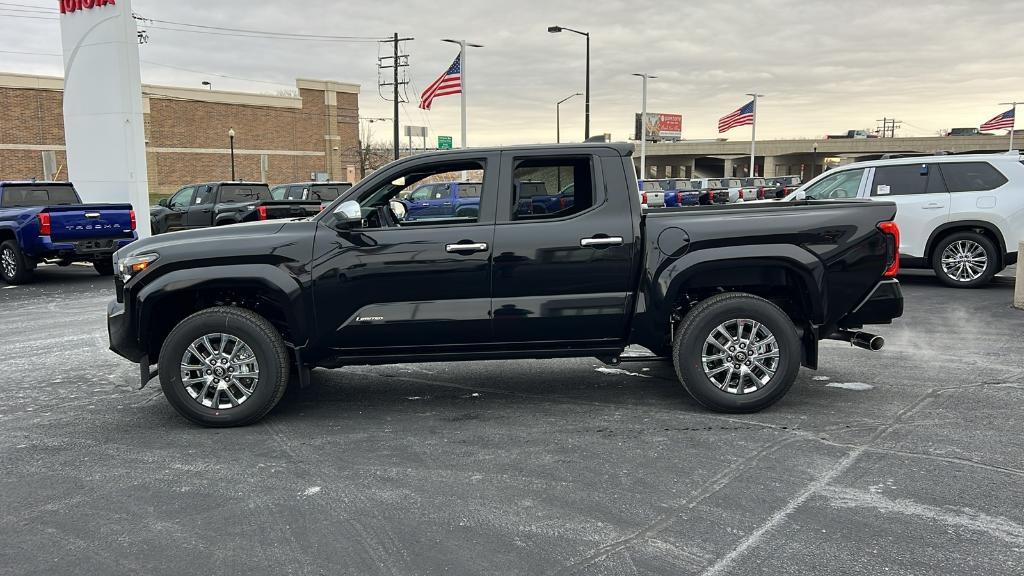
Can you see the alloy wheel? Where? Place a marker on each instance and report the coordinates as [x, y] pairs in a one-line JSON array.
[[964, 260], [740, 356], [219, 371], [9, 262]]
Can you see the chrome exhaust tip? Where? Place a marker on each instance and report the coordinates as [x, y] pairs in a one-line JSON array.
[[864, 340]]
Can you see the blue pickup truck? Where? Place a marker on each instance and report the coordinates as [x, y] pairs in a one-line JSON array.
[[46, 222], [443, 200]]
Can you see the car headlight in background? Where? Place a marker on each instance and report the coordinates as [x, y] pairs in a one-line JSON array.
[[132, 265]]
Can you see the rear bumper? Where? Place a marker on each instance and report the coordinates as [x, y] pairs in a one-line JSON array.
[[80, 251], [119, 333], [882, 305]]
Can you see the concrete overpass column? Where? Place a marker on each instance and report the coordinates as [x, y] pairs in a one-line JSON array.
[[769, 166], [691, 170], [659, 171], [727, 169]]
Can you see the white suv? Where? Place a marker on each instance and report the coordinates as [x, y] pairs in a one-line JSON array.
[[962, 216]]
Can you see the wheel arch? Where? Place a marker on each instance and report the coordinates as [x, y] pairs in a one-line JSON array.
[[262, 288], [987, 229]]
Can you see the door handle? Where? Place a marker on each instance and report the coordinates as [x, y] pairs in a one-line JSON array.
[[207, 210], [933, 206], [607, 241], [447, 203], [474, 247]]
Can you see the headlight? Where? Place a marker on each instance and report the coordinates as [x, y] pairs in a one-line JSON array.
[[134, 264]]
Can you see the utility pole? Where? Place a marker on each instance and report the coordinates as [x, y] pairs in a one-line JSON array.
[[888, 127], [397, 62], [643, 126]]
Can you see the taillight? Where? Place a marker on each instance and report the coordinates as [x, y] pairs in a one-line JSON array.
[[131, 214], [44, 224], [562, 202], [643, 197], [893, 231], [262, 210]]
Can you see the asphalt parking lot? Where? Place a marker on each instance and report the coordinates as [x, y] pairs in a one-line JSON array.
[[907, 461]]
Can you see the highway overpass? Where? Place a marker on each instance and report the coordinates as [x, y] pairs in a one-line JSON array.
[[717, 158]]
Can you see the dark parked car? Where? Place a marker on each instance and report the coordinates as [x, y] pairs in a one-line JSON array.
[[221, 203], [737, 296], [46, 222]]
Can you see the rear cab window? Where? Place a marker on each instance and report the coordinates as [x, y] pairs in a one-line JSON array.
[[29, 195], [243, 193]]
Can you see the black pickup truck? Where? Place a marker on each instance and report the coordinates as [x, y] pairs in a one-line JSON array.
[[737, 296], [220, 203]]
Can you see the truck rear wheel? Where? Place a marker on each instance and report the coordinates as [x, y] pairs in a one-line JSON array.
[[14, 268], [104, 267], [736, 353], [965, 260], [224, 367]]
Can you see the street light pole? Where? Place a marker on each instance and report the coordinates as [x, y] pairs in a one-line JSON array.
[[643, 128], [586, 124], [231, 142], [814, 160], [558, 116]]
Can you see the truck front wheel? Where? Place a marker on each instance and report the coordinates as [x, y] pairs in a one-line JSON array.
[[224, 367], [14, 267], [736, 353]]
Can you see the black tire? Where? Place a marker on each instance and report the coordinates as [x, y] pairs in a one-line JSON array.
[[702, 322], [966, 239], [258, 334], [104, 267], [14, 267]]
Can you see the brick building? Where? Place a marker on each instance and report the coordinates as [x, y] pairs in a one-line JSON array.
[[277, 138]]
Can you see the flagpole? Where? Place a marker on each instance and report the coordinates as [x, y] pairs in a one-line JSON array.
[[643, 127], [1014, 125], [753, 137], [465, 88]]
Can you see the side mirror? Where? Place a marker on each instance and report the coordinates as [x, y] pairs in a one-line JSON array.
[[348, 215], [164, 202]]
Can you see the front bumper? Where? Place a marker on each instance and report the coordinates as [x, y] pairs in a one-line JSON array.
[[882, 306], [119, 333]]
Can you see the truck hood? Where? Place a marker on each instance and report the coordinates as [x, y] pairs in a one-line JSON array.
[[180, 241]]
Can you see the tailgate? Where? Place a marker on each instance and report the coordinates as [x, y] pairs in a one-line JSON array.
[[291, 208], [89, 221]]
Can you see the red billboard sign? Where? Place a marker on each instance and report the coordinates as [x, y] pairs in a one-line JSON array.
[[658, 127], [76, 5]]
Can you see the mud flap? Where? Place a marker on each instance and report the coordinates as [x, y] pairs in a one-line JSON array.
[[809, 338]]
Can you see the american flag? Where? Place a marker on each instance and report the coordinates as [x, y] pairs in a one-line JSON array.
[[1002, 122], [447, 84], [742, 117]]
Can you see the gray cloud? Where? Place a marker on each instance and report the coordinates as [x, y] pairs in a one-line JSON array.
[[824, 66]]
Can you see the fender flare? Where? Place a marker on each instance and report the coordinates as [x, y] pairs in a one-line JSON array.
[[939, 231], [226, 219], [284, 289]]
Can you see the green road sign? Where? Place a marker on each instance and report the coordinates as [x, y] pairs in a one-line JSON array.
[[444, 142]]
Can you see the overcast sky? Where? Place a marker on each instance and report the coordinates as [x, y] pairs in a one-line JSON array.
[[824, 67]]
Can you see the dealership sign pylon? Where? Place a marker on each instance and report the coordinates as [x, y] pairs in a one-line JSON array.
[[103, 113]]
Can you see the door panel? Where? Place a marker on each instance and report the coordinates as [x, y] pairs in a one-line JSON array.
[[561, 279], [402, 287], [178, 206], [200, 212]]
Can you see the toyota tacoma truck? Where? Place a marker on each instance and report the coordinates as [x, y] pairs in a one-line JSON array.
[[46, 222], [737, 296], [222, 203]]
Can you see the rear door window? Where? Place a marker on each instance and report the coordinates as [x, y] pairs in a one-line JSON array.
[[551, 187], [971, 176], [470, 190], [906, 180]]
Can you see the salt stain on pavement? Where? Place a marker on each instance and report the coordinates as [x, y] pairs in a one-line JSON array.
[[821, 378], [858, 386], [619, 371], [312, 490]]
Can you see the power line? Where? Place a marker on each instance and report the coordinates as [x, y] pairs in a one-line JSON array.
[[151, 63], [289, 35], [33, 6], [258, 36], [29, 17]]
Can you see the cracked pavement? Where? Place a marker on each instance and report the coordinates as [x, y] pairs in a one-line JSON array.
[[907, 461]]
